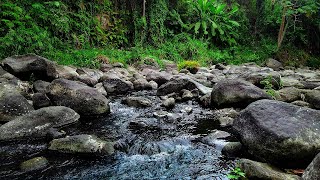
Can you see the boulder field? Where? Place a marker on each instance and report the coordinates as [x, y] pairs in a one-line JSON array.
[[272, 111]]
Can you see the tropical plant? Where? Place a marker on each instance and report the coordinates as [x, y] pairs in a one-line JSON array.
[[236, 173]]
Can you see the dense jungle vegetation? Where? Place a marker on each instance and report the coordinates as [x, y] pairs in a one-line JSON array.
[[84, 33]]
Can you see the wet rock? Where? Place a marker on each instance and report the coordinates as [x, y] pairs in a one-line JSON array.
[[143, 124], [34, 164], [40, 100], [37, 123], [232, 149], [40, 86], [12, 104], [258, 170], [83, 99], [88, 144], [186, 95], [302, 104], [313, 97], [158, 77], [213, 138], [160, 114], [274, 64], [187, 110], [138, 102], [236, 93], [169, 103], [141, 84], [313, 170], [89, 76], [289, 94], [279, 133], [114, 85]]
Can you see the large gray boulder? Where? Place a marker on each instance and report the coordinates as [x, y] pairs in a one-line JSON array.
[[115, 85], [279, 133], [78, 96], [236, 93], [38, 123], [88, 144], [274, 64], [12, 104], [313, 97], [178, 83], [313, 170], [258, 170], [25, 65], [158, 77]]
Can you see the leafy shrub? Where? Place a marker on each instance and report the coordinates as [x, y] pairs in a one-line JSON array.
[[188, 65], [236, 173]]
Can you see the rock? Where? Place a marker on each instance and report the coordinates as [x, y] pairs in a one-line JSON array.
[[186, 95], [225, 116], [313, 170], [169, 103], [220, 66], [101, 89], [66, 72], [89, 76], [25, 65], [235, 93], [153, 84], [289, 94], [118, 65], [213, 138], [12, 104], [258, 170], [274, 64], [105, 67], [232, 149], [279, 133], [33, 164], [291, 82], [88, 144], [158, 77], [187, 110], [302, 104], [176, 84], [205, 100], [258, 78], [313, 97], [138, 102], [143, 124], [5, 76], [83, 99], [38, 123], [40, 100], [40, 86], [117, 86], [141, 84]]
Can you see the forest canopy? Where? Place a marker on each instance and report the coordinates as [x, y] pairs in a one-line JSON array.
[[208, 31]]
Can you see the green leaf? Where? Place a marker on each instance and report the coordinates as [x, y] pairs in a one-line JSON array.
[[196, 27], [56, 3], [235, 23], [204, 27], [220, 8]]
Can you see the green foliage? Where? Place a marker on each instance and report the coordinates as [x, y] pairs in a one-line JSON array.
[[188, 65], [236, 173], [269, 88], [211, 20]]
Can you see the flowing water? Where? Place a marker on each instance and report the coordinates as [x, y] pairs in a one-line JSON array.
[[165, 147]]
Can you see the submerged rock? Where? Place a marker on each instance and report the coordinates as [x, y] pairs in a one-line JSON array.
[[313, 170], [236, 93], [279, 133], [83, 99], [38, 123], [34, 164], [88, 144], [258, 170]]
